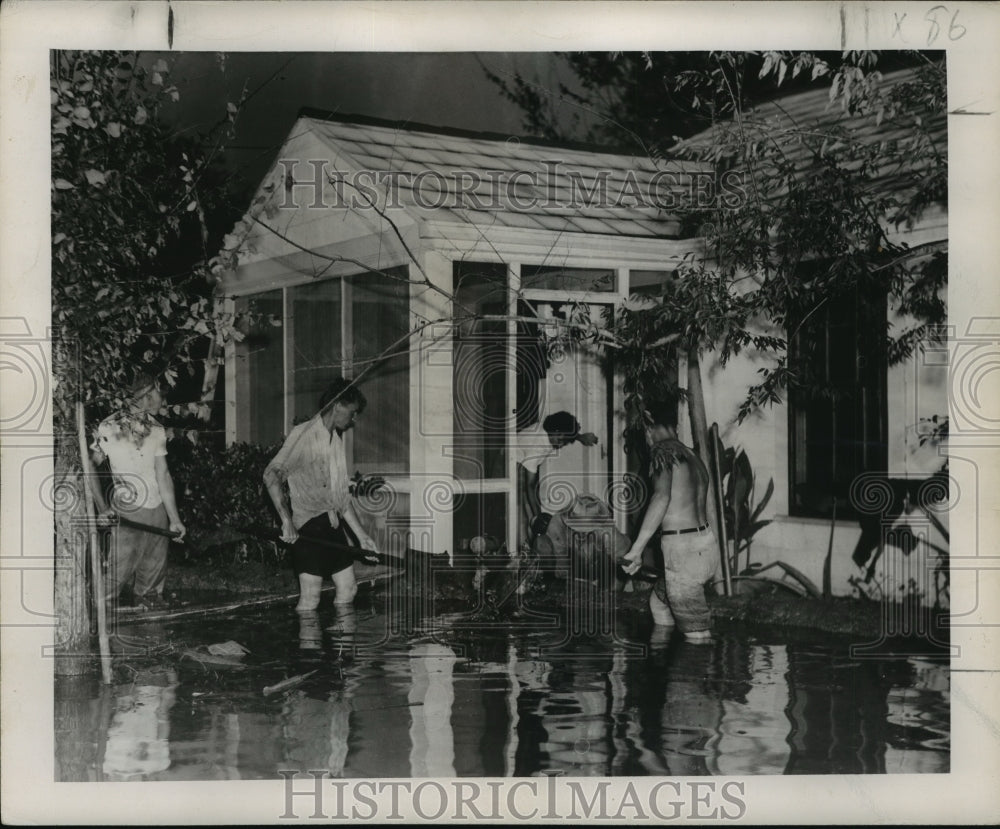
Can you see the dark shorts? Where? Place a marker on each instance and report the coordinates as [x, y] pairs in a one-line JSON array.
[[318, 559]]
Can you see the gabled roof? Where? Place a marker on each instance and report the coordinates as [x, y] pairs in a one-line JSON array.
[[457, 177], [807, 125]]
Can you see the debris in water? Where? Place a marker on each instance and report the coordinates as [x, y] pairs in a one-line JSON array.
[[291, 682], [229, 648], [203, 656]]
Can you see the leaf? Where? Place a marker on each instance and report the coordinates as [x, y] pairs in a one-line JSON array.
[[95, 178], [191, 206], [161, 66], [141, 116], [62, 184], [763, 502], [58, 238], [157, 79], [114, 129]]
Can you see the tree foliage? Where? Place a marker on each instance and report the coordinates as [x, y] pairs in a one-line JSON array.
[[821, 198], [132, 279]]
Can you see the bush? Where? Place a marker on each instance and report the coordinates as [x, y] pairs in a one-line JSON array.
[[220, 491]]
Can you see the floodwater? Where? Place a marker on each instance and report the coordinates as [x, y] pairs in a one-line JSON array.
[[467, 695]]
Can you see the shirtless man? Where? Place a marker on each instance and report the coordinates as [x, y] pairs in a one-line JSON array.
[[690, 552]]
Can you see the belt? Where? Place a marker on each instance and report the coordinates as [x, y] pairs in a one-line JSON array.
[[702, 528]]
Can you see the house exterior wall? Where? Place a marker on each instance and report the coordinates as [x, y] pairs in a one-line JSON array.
[[916, 388]]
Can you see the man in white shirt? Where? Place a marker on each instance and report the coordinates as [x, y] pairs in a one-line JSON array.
[[135, 445], [313, 465], [532, 447]]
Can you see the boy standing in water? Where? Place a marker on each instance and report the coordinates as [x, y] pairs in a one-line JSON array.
[[690, 552], [135, 445]]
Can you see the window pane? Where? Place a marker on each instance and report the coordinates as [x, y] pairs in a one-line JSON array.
[[316, 355], [649, 283], [481, 368], [837, 420], [567, 279], [260, 370], [380, 322]]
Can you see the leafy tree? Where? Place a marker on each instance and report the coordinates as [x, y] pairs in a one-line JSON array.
[[826, 197]]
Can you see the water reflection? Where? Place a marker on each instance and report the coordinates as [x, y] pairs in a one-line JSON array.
[[138, 737], [437, 703]]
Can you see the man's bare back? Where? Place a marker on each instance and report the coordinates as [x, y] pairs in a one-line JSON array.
[[687, 483]]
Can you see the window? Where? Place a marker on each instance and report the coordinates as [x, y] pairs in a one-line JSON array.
[[259, 366], [542, 277], [481, 369], [837, 417], [315, 333], [380, 356], [355, 327]]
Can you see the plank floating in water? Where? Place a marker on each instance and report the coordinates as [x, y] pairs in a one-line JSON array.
[[291, 682], [214, 660]]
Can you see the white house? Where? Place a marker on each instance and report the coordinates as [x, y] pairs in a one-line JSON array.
[[414, 258]]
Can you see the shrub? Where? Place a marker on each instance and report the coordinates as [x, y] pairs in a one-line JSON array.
[[220, 491]]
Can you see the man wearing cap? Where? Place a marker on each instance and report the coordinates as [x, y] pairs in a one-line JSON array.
[[690, 553], [532, 447], [135, 445], [312, 462]]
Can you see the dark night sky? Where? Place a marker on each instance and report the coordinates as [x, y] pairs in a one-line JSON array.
[[440, 89]]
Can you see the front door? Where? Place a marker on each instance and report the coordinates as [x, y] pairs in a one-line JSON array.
[[509, 374]]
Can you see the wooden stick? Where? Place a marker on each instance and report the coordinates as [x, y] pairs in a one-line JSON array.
[[828, 561], [274, 534], [720, 505], [291, 682], [97, 574], [147, 528]]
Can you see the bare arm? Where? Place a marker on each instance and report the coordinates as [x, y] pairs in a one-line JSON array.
[[653, 518], [166, 485], [529, 504], [365, 540], [274, 481], [529, 483]]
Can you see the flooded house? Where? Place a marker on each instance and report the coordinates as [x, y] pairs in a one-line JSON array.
[[438, 267]]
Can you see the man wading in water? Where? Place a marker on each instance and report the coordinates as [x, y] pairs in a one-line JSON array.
[[688, 545], [313, 463]]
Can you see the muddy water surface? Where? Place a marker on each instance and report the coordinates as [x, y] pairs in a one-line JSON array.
[[467, 696]]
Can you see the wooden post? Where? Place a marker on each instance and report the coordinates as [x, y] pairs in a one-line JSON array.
[[716, 473], [828, 561], [72, 655], [97, 574], [699, 433]]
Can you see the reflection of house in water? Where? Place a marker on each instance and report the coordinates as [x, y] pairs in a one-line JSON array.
[[753, 731], [429, 709]]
